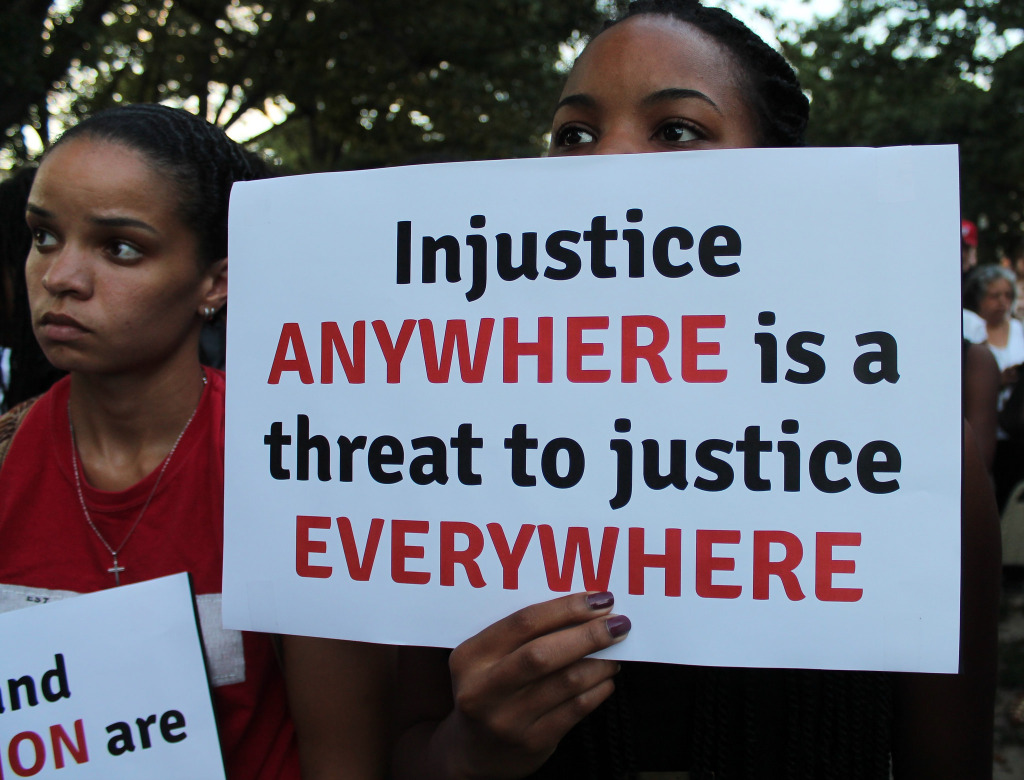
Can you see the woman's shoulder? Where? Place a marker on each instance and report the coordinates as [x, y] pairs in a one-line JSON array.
[[13, 419]]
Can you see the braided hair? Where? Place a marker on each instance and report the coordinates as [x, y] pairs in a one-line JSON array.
[[198, 157], [768, 81]]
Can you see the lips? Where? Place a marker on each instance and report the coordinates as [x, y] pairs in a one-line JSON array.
[[61, 327]]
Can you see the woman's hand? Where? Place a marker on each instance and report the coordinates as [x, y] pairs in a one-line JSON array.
[[519, 685]]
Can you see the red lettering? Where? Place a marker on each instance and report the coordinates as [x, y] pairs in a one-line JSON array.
[[577, 542], [466, 558], [577, 349], [670, 561], [358, 570], [512, 559], [78, 750], [513, 349], [765, 567], [291, 336], [333, 343], [692, 348], [826, 566], [394, 351], [304, 546], [401, 551], [14, 756], [633, 353], [471, 367], [707, 564]]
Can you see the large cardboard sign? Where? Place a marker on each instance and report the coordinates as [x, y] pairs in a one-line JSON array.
[[107, 685], [722, 385]]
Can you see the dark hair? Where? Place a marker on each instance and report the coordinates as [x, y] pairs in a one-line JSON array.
[[198, 156], [30, 371], [780, 106], [979, 279]]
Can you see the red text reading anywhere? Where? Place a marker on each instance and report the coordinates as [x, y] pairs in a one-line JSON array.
[[646, 344]]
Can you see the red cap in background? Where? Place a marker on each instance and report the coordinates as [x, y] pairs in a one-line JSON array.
[[968, 232]]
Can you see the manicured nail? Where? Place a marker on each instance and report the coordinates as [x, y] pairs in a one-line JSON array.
[[602, 600], [618, 625]]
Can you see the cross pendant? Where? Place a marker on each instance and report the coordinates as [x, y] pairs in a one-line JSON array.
[[116, 571]]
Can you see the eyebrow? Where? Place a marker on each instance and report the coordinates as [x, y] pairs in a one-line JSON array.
[[662, 95], [677, 93], [113, 222]]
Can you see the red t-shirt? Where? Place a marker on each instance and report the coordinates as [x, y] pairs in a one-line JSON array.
[[49, 551]]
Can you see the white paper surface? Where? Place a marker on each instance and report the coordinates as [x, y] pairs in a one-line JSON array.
[[107, 670], [834, 242]]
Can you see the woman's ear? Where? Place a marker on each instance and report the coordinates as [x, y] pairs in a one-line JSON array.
[[214, 289]]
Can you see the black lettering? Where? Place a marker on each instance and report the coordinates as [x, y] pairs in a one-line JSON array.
[[59, 675], [868, 467], [599, 236], [796, 348], [170, 722], [817, 463], [276, 440], [385, 451], [346, 449], [519, 443], [884, 356], [304, 443], [752, 445], [121, 742], [436, 462], [570, 260], [709, 251], [769, 349], [659, 252], [549, 462], [451, 248], [143, 726], [403, 253], [707, 460], [623, 466], [528, 268], [464, 444]]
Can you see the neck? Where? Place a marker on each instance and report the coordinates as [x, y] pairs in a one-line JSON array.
[[126, 425]]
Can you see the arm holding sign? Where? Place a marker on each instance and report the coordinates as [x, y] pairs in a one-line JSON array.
[[340, 696], [944, 723], [514, 690]]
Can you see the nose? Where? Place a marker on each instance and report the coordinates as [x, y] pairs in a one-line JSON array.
[[64, 272], [621, 141]]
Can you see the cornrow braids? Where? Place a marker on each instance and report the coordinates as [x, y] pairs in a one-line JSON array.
[[770, 83], [198, 156]]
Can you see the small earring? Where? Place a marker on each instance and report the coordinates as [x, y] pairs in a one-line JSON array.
[[209, 312]]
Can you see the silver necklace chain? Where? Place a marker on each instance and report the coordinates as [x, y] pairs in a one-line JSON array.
[[116, 569]]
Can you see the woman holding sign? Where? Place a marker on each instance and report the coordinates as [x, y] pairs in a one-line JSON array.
[[523, 697], [115, 475]]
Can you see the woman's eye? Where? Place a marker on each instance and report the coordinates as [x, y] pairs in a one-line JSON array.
[[124, 252], [43, 239], [573, 136], [677, 133]]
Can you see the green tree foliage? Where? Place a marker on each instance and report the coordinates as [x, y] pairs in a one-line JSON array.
[[892, 72], [363, 83]]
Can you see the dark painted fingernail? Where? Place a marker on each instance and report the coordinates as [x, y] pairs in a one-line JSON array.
[[618, 625], [601, 600]]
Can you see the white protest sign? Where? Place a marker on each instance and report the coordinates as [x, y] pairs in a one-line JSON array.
[[107, 685], [723, 385]]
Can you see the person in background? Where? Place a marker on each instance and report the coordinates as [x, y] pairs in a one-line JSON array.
[[24, 370], [116, 474], [524, 698]]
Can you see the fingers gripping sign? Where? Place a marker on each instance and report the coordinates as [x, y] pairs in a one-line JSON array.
[[523, 682]]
